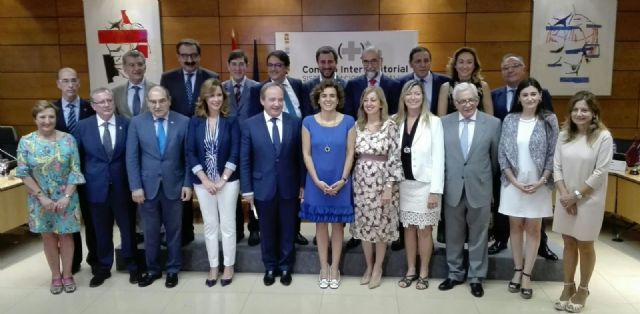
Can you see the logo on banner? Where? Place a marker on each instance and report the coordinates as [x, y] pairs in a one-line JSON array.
[[118, 38]]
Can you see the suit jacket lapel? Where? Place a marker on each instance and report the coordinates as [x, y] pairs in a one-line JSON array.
[[477, 130], [95, 135], [286, 132], [120, 138]]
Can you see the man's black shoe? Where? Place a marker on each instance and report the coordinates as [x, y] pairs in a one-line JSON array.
[[98, 280], [301, 240], [476, 289], [353, 242], [148, 279], [448, 284], [269, 278], [545, 251], [186, 239], [75, 269], [285, 279], [254, 238], [172, 280], [497, 247], [134, 277]]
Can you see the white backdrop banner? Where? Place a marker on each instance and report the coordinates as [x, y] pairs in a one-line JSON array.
[[572, 44], [302, 46], [114, 27]]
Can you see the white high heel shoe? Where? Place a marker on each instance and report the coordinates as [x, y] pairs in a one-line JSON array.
[[576, 307], [562, 305]]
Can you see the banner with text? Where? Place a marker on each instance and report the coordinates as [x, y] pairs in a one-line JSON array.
[[302, 46], [114, 27]]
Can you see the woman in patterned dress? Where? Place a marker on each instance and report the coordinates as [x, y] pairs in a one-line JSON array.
[[376, 174], [422, 156], [49, 165]]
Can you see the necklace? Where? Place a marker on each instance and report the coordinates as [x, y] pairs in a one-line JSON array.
[[528, 120]]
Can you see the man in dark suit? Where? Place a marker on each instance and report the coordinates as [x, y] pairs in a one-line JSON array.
[[159, 180], [371, 62], [130, 98], [238, 88], [183, 85], [420, 62], [513, 72], [101, 142], [471, 145], [72, 109], [271, 180], [327, 60]]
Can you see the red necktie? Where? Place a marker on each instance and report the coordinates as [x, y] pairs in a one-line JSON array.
[[372, 82]]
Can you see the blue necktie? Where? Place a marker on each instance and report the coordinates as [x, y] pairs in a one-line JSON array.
[[106, 140], [71, 118], [275, 135], [510, 93], [464, 138], [287, 101], [162, 138], [189, 88], [136, 100]]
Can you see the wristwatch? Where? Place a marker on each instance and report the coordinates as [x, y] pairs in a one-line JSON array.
[[578, 194]]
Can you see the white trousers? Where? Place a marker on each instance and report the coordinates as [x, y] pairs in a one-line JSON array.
[[219, 215]]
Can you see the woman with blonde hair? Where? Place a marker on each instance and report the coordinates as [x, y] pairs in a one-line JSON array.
[[581, 163]]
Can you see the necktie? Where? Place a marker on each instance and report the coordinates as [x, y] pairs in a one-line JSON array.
[[162, 138], [510, 92], [136, 100], [71, 118], [237, 92], [427, 101], [287, 101], [189, 88], [372, 82], [106, 140], [275, 135], [464, 138]]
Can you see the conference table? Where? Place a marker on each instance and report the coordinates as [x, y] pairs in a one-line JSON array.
[[623, 198], [13, 204]]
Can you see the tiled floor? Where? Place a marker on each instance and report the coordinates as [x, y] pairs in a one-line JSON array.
[[24, 280]]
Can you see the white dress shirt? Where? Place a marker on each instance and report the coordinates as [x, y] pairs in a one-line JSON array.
[[267, 118], [470, 128], [292, 96], [131, 92]]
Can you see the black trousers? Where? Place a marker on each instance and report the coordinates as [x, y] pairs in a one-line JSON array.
[[253, 222], [90, 235]]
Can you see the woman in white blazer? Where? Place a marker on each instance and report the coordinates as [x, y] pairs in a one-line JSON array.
[[422, 156]]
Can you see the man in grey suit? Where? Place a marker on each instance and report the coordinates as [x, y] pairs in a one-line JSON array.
[[130, 98], [157, 170], [238, 88], [471, 159]]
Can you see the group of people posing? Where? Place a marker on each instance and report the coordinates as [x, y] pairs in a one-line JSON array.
[[391, 158]]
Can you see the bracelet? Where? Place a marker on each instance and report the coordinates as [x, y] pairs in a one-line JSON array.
[[344, 179], [67, 196]]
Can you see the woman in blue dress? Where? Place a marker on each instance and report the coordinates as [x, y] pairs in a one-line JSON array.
[[49, 165], [328, 140]]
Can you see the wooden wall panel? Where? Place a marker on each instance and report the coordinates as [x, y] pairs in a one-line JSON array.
[[429, 27], [16, 111], [340, 7], [260, 28], [490, 54], [29, 58], [625, 85], [619, 113], [27, 8], [72, 31], [203, 29], [70, 8], [74, 56], [346, 23], [28, 85], [493, 78], [440, 55], [260, 7], [626, 56], [29, 31], [496, 27], [478, 6], [189, 8], [209, 57], [431, 6], [627, 26], [628, 5]]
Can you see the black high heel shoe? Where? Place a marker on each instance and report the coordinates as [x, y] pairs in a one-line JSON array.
[[526, 293], [515, 287], [210, 282]]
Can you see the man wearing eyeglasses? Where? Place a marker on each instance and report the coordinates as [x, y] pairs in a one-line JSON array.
[[471, 145], [371, 64], [183, 85], [513, 72], [72, 109]]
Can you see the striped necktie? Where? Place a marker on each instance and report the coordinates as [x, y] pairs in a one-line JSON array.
[[72, 120]]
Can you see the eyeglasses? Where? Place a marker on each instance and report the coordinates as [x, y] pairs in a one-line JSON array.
[[468, 101], [275, 65], [372, 61], [72, 81], [186, 56], [511, 67]]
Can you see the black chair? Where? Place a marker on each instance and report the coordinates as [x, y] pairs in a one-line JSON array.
[[8, 144]]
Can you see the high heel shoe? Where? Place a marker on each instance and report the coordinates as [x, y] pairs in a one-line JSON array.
[[365, 278], [515, 286], [524, 292], [376, 277], [560, 304], [577, 307], [323, 283], [334, 283]]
